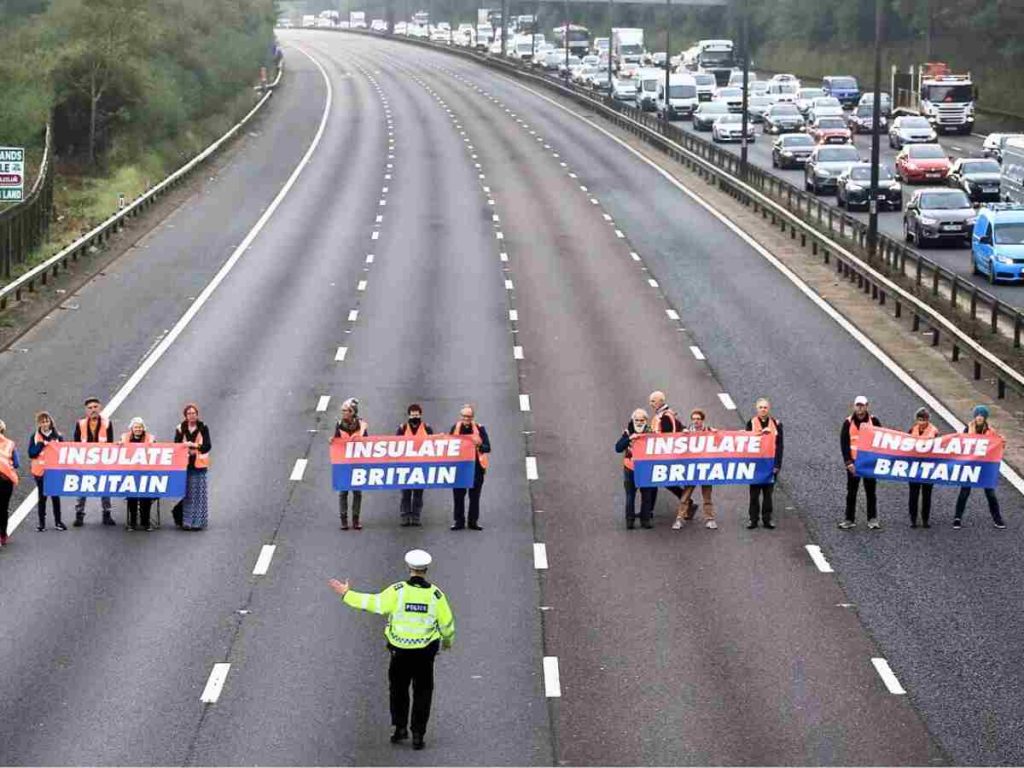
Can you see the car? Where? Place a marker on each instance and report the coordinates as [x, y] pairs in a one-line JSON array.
[[978, 177], [732, 96], [997, 242], [783, 92], [736, 78], [861, 120], [911, 129], [706, 85], [843, 87], [938, 213], [647, 81], [378, 25], [552, 60], [830, 130], [730, 128], [599, 81], [792, 149], [784, 77], [922, 162], [805, 98], [853, 188], [994, 143], [824, 106], [757, 87], [571, 68], [583, 74], [659, 59], [868, 99], [826, 164], [756, 107], [707, 112], [624, 89], [782, 118]]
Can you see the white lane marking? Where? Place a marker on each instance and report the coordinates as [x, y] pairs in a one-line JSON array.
[[263, 561], [215, 683], [495, 217], [552, 686], [513, 315], [517, 353], [697, 353], [540, 556], [353, 315], [509, 286], [322, 403], [384, 190], [634, 256], [582, 187], [503, 256], [727, 401], [531, 468], [299, 469], [572, 175], [369, 258], [888, 677], [339, 356], [524, 403], [499, 235], [375, 235], [593, 201], [380, 219], [672, 314], [361, 285], [819, 559], [387, 175], [652, 282], [383, 202], [158, 352], [618, 233]]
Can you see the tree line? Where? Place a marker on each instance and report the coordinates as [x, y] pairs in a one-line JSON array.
[[119, 74]]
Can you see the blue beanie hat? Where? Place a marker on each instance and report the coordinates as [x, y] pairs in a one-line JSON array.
[[981, 410]]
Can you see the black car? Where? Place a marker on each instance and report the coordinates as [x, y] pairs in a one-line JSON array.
[[861, 120], [978, 177], [792, 149], [853, 188], [783, 118], [707, 112], [756, 107], [826, 165]]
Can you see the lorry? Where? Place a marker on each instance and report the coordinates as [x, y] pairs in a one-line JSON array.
[[579, 39], [308, 21], [357, 20], [627, 45], [716, 57], [484, 35], [935, 92]]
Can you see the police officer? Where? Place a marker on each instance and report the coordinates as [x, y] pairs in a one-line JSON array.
[[419, 621], [94, 428], [412, 498]]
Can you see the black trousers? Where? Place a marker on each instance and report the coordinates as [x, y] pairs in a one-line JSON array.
[[6, 489], [412, 666], [41, 506], [137, 506], [761, 502], [924, 492], [852, 484], [648, 497], [459, 495], [961, 504], [412, 504]]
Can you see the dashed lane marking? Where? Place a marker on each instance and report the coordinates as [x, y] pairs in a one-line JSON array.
[[263, 561], [524, 403], [697, 353], [540, 556], [513, 315], [819, 559], [353, 315], [339, 356], [322, 403], [888, 677], [727, 401], [552, 685], [672, 314], [531, 468], [215, 683], [517, 353], [299, 469]]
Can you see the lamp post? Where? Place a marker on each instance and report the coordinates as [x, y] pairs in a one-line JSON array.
[[611, 35], [566, 41], [876, 116], [744, 104], [668, 55]]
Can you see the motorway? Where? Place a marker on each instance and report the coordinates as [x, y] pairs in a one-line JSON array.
[[408, 226]]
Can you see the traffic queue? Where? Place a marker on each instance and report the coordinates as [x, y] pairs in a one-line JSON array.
[[660, 451]]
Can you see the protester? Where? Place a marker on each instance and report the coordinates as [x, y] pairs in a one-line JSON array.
[[978, 426], [761, 495], [46, 432], [411, 505], [924, 429], [686, 509], [9, 464], [347, 427], [94, 428], [196, 435], [468, 426], [665, 421], [138, 508], [849, 435], [636, 428]]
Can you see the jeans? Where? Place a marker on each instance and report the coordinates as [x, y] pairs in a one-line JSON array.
[[41, 508], [80, 506], [459, 497], [761, 503], [415, 666], [852, 484], [648, 496], [412, 504], [924, 490], [990, 496]]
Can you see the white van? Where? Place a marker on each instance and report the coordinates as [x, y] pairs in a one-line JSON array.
[[682, 97], [647, 82]]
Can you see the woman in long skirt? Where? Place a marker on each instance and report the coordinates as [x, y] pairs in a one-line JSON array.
[[195, 434]]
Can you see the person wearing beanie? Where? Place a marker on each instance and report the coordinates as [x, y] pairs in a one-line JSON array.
[[978, 426], [922, 428]]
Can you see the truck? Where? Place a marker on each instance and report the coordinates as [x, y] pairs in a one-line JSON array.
[[945, 98], [484, 35], [357, 20], [579, 39], [483, 16], [526, 24], [716, 57], [627, 45], [308, 21]]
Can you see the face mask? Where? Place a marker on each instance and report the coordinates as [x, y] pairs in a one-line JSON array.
[[414, 423]]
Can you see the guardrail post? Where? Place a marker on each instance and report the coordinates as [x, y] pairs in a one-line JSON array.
[[995, 316], [1016, 331], [1001, 389]]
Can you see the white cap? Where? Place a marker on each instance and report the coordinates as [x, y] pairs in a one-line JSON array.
[[417, 559], [860, 400]]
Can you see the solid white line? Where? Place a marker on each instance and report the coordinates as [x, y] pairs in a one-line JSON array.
[[819, 559], [353, 315], [552, 686], [215, 683], [524, 403], [531, 468], [697, 353], [509, 286], [886, 673], [517, 353], [263, 561], [322, 403], [727, 401], [672, 314], [158, 352], [339, 356], [299, 469], [540, 556], [513, 315]]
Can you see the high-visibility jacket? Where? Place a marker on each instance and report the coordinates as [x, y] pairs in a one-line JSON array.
[[202, 460], [854, 435], [407, 431], [361, 432], [973, 430], [37, 465], [676, 426], [929, 431], [417, 615], [756, 426], [480, 457], [147, 437], [7, 460], [102, 434]]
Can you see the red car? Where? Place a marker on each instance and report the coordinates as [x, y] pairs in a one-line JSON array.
[[922, 162], [831, 130]]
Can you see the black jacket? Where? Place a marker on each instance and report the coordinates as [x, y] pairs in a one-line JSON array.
[[844, 436], [778, 438], [465, 429], [180, 434]]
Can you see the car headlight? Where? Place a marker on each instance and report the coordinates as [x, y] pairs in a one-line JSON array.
[[854, 188], [786, 153], [928, 221], [823, 172], [1004, 259], [970, 220]]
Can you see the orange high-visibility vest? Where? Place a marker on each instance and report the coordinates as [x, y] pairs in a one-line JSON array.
[[972, 429], [480, 457], [7, 460], [363, 426], [929, 431], [102, 434], [126, 437], [38, 465], [421, 430], [202, 460], [855, 435], [755, 426]]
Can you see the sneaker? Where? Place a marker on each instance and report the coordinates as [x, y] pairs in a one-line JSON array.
[[957, 525], [874, 525], [40, 527], [1000, 526], [149, 528], [60, 526], [711, 524], [847, 525], [751, 526], [79, 522], [677, 524]]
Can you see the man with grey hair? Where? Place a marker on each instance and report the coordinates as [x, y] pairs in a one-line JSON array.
[[763, 423], [665, 421]]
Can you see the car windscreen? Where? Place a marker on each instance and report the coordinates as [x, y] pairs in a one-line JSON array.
[[831, 123], [827, 101], [865, 111], [981, 166], [944, 201], [730, 119], [785, 109], [711, 107], [948, 93], [926, 152], [620, 83], [682, 91], [1010, 233], [798, 140], [811, 93], [705, 79], [758, 101], [651, 84], [729, 92], [915, 122], [844, 82], [838, 155], [863, 173]]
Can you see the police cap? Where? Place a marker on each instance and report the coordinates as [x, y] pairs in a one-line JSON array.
[[417, 559]]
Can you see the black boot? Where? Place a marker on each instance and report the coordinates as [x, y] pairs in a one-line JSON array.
[[79, 520], [417, 741], [344, 521], [107, 519], [400, 734]]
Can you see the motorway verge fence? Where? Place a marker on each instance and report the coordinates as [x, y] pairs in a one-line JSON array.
[[25, 225], [100, 234], [925, 294]]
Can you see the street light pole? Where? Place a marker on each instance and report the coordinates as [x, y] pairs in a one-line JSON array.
[[744, 105], [566, 40], [504, 25], [611, 35], [668, 55], [876, 116]]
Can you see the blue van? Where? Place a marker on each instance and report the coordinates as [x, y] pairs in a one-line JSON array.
[[997, 245], [842, 87]]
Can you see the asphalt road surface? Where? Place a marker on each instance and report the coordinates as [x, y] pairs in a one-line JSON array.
[[495, 278]]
